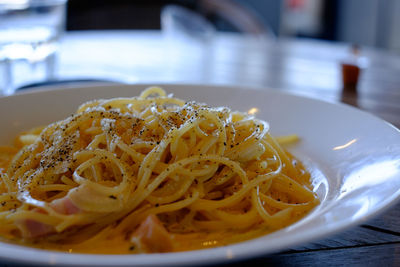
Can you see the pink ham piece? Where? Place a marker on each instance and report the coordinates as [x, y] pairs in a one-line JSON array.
[[32, 229], [152, 236], [64, 206]]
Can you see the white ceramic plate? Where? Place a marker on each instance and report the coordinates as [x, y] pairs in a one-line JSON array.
[[355, 158]]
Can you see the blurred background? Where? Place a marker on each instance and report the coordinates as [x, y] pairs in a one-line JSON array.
[[363, 22], [336, 50]]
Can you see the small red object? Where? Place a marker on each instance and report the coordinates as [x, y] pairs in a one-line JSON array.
[[350, 74], [351, 69]]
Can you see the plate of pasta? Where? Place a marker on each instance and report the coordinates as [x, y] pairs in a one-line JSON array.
[[114, 175]]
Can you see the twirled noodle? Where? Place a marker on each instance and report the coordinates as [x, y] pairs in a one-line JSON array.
[[149, 174]]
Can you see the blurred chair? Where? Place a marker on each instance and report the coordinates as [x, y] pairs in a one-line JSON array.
[[141, 14], [178, 21], [243, 19]]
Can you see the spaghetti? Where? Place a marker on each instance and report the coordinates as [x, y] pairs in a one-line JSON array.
[[148, 174]]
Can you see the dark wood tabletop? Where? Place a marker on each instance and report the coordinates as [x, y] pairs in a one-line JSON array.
[[305, 67]]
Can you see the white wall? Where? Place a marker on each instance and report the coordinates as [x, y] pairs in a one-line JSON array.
[[370, 23], [357, 20], [394, 39]]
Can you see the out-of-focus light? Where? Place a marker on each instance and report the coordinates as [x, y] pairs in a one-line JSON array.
[[229, 254], [345, 145], [210, 243], [14, 2], [252, 111]]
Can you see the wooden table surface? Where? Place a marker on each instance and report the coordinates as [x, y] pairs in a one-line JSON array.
[[303, 67]]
